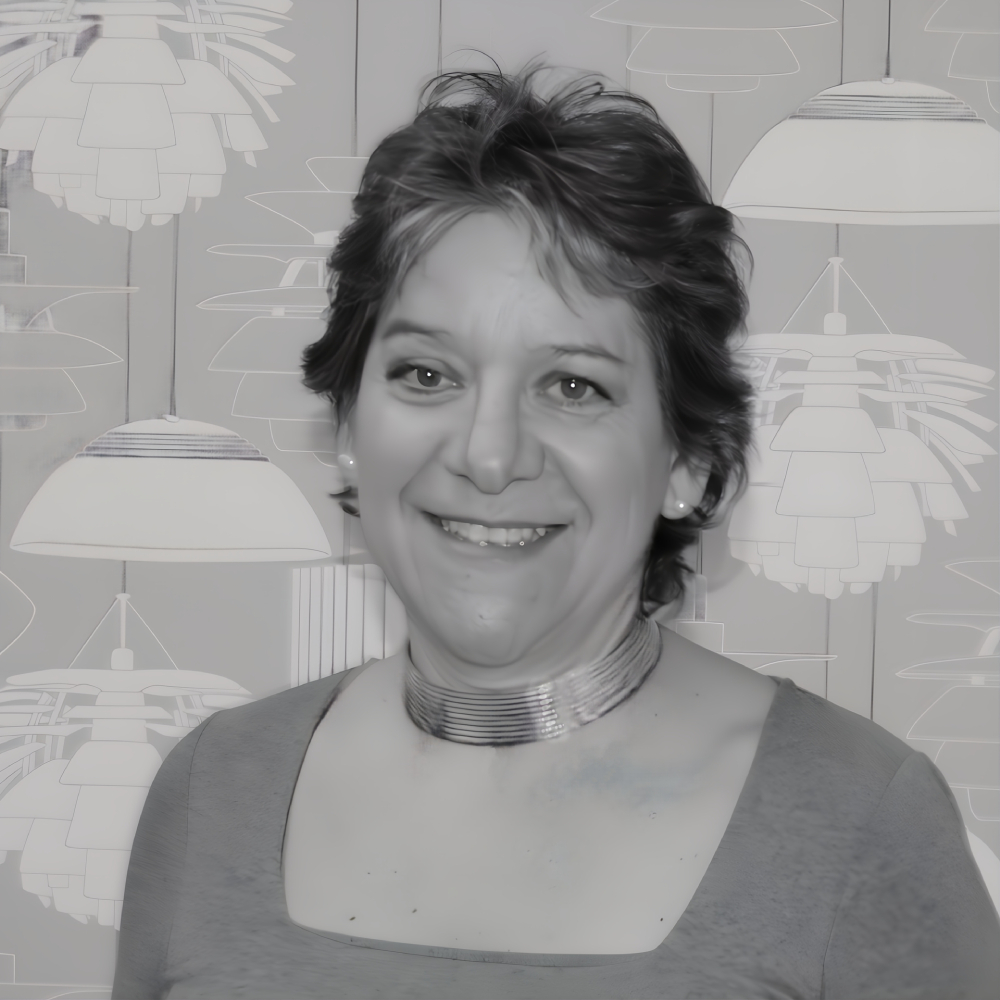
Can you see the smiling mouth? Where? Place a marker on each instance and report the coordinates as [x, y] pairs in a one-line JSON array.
[[482, 535]]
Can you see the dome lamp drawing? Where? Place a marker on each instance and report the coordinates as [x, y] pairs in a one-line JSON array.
[[886, 152], [713, 46], [856, 447], [267, 349], [127, 130], [883, 152], [78, 750], [171, 490]]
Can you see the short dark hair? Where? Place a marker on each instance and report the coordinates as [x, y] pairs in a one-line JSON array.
[[607, 189]]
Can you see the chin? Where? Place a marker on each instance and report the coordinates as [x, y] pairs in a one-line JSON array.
[[483, 629]]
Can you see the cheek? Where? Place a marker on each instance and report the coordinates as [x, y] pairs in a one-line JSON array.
[[389, 444], [620, 473]]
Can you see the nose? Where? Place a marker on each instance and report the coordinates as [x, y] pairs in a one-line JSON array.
[[496, 447]]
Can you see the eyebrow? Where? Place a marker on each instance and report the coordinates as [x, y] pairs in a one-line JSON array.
[[591, 350], [401, 326], [405, 326]]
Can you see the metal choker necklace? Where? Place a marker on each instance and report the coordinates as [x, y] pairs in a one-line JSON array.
[[539, 712]]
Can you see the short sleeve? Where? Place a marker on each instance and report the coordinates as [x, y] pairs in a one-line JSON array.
[[153, 881], [916, 920]]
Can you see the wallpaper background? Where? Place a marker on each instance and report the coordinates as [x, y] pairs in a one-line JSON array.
[[357, 69]]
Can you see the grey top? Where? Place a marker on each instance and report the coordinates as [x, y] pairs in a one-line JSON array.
[[844, 872]]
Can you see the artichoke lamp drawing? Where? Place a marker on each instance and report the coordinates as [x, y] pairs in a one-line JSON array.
[[855, 447], [78, 750], [127, 130]]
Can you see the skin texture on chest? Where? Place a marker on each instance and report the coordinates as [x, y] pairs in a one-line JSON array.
[[592, 844]]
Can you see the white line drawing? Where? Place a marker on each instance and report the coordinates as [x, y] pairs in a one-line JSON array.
[[171, 490], [11, 988], [808, 670], [34, 356], [966, 716], [119, 127], [976, 55], [18, 612], [714, 46], [78, 759], [342, 616], [831, 500], [874, 153], [267, 349]]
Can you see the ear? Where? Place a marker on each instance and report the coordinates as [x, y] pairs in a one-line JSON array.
[[685, 488], [345, 472]]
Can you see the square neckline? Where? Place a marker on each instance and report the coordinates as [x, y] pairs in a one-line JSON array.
[[782, 689]]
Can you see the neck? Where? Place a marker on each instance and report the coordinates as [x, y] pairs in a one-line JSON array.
[[540, 711], [580, 639]]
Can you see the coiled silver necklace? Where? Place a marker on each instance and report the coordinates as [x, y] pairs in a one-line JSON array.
[[541, 711]]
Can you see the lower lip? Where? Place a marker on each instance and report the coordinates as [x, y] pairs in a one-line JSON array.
[[488, 548]]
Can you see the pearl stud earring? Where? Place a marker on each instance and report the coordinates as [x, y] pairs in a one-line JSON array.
[[345, 490]]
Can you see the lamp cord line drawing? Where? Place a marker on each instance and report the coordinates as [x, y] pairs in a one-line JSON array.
[[118, 126]]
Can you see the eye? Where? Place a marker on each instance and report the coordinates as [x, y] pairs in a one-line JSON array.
[[427, 377], [572, 390], [420, 377]]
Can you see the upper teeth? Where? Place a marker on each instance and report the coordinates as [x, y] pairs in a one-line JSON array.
[[493, 536]]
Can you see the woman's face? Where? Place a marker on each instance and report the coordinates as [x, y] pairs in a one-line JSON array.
[[511, 454]]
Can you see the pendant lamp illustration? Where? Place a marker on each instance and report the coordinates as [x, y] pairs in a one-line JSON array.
[[121, 127], [874, 153], [267, 349], [171, 490], [713, 46], [80, 748], [861, 435], [966, 715], [35, 358], [976, 55]]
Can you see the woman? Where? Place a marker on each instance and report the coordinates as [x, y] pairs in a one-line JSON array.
[[547, 795]]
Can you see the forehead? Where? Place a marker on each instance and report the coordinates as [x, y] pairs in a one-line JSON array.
[[481, 281]]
